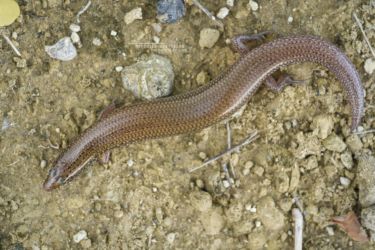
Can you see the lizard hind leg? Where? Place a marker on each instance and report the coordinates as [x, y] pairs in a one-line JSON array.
[[239, 42]]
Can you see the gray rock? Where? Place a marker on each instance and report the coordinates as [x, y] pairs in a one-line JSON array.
[[272, 218], [150, 78], [366, 180], [170, 11], [334, 143], [368, 218], [63, 50], [208, 37]]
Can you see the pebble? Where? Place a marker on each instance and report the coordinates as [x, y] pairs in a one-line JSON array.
[[43, 163], [86, 244], [251, 208], [81, 235], [113, 33], [366, 180], [330, 231], [334, 143], [226, 184], [118, 213], [75, 27], [230, 3], [354, 143], [369, 66], [150, 78], [347, 160], [208, 37], [322, 125], [201, 78], [272, 218], [157, 27], [75, 38], [20, 62], [259, 171], [199, 183], [213, 221], [119, 68], [200, 200], [170, 11], [96, 41], [134, 14], [63, 50], [290, 19], [258, 223], [171, 237], [223, 12], [156, 39], [202, 155], [254, 6], [344, 181], [130, 163]]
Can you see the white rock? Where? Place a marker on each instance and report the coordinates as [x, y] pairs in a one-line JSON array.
[[171, 237], [230, 3], [156, 27], [63, 50], [75, 37], [130, 162], [75, 27], [290, 19], [156, 39], [369, 65], [208, 37], [119, 68], [223, 12], [344, 181], [81, 235], [96, 41], [254, 6], [113, 33], [226, 184], [133, 15], [330, 231]]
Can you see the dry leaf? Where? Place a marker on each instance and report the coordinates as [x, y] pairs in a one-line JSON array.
[[350, 224], [9, 11]]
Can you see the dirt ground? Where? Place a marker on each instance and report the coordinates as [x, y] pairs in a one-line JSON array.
[[145, 197]]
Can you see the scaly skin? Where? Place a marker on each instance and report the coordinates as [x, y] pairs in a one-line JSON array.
[[206, 105]]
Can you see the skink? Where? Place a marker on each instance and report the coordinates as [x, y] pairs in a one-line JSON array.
[[206, 105]]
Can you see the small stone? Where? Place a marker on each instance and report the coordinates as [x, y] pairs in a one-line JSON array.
[[170, 11], [199, 183], [118, 213], [202, 201], [113, 33], [201, 78], [63, 50], [156, 39], [251, 208], [134, 14], [208, 37], [86, 243], [150, 78], [20, 62], [75, 27], [290, 19], [230, 3], [119, 68], [322, 125], [254, 6], [81, 235], [354, 143], [259, 171], [157, 27], [43, 163], [334, 143], [202, 155], [223, 12], [258, 223], [344, 181], [213, 221], [96, 41], [369, 66], [75, 38], [130, 163], [368, 217], [330, 231], [171, 237], [226, 184], [272, 218], [347, 160]]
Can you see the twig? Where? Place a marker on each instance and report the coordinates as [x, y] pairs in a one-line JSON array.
[[53, 145], [207, 12], [83, 10], [13, 163], [364, 34], [365, 132], [298, 228], [12, 45], [252, 137]]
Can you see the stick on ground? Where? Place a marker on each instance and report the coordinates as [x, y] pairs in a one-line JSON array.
[[298, 228]]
